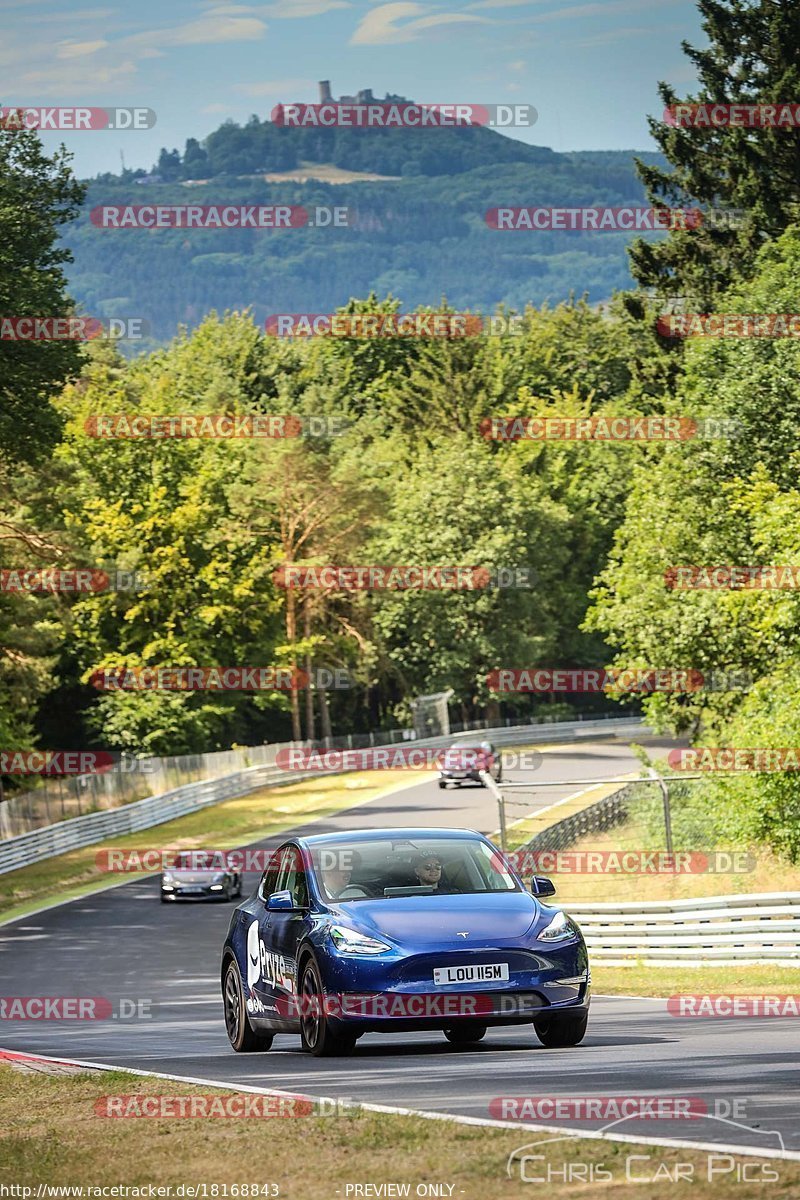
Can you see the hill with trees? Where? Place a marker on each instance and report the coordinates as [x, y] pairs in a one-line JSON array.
[[422, 236]]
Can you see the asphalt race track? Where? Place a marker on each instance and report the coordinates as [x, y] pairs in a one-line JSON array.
[[124, 944]]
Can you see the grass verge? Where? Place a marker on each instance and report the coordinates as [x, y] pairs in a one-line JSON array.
[[745, 980], [50, 1134]]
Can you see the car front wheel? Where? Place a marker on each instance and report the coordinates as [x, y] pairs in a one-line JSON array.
[[240, 1032], [560, 1029], [316, 1032]]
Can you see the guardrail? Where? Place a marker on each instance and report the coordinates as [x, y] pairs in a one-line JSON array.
[[756, 928], [77, 832], [61, 798], [595, 818], [600, 815]]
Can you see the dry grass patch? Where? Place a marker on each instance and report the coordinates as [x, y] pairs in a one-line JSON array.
[[50, 1134]]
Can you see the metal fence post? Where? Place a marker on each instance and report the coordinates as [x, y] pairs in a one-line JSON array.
[[501, 805], [667, 814]]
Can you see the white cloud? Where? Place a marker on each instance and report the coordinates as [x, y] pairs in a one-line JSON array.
[[79, 49], [71, 78], [60, 69], [379, 27], [205, 31], [281, 10], [304, 8]]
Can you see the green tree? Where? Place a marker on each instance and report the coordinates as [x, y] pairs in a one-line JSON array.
[[38, 195], [753, 57], [716, 501]]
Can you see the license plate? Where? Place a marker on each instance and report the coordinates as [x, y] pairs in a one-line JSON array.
[[485, 973], [193, 891]]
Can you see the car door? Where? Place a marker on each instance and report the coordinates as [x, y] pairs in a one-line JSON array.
[[282, 931], [260, 998]]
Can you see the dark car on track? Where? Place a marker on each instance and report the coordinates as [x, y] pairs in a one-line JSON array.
[[399, 930], [464, 761], [199, 876]]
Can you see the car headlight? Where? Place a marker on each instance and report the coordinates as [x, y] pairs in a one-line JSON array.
[[560, 929], [348, 941]]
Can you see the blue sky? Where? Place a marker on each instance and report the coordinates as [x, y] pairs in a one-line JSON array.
[[589, 68]]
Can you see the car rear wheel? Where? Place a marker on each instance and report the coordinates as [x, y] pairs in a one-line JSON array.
[[442, 783], [316, 1033], [240, 1032], [561, 1028], [465, 1035]]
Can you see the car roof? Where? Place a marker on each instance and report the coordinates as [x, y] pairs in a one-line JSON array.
[[375, 835]]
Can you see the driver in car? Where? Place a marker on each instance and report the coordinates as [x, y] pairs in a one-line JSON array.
[[428, 870]]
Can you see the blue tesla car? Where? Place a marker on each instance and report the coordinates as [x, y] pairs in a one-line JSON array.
[[398, 930]]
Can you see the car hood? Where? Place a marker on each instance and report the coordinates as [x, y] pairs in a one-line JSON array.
[[487, 918]]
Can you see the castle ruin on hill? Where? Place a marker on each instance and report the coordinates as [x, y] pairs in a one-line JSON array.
[[365, 96]]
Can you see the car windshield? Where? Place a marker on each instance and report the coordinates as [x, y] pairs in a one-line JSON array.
[[199, 860], [468, 756], [388, 868]]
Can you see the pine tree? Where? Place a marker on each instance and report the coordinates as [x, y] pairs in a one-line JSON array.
[[753, 57]]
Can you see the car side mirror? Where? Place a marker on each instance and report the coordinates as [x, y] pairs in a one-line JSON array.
[[280, 901], [541, 886]]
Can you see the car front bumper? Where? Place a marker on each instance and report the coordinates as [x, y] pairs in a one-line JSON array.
[[402, 994]]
